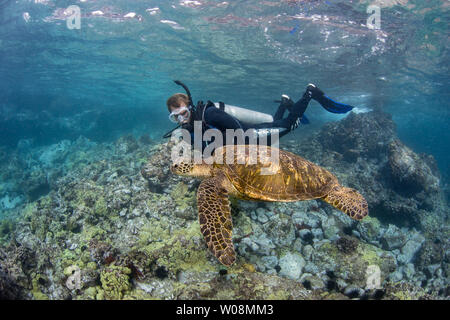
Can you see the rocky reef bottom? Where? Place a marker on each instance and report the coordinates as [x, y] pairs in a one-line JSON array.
[[83, 220]]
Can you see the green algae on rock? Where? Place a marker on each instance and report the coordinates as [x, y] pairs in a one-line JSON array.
[[115, 282]]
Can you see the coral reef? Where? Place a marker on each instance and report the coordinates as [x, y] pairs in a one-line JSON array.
[[401, 186], [16, 263], [112, 222]]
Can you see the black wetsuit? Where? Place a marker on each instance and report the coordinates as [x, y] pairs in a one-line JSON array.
[[215, 118]]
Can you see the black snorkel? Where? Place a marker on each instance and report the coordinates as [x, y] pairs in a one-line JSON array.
[[178, 82], [191, 106]]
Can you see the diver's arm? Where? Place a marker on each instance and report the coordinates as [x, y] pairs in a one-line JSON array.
[[220, 119]]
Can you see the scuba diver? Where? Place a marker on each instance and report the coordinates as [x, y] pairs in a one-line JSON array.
[[222, 117]]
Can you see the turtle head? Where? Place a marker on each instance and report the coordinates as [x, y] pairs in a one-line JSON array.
[[191, 169]]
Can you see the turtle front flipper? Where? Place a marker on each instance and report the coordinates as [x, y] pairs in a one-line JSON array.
[[215, 218], [349, 201]]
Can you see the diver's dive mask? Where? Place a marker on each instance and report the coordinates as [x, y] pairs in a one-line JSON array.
[[180, 115]]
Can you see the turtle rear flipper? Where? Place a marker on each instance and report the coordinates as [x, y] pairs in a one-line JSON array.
[[349, 201], [215, 219]]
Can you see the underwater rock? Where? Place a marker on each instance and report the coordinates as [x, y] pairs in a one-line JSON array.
[[404, 291], [363, 134], [157, 170], [317, 234], [312, 282], [370, 229], [35, 184], [351, 267], [9, 289], [8, 202], [101, 252], [54, 155], [311, 268], [392, 238], [15, 263], [410, 172], [306, 235], [115, 281], [280, 230], [330, 229], [372, 136], [304, 220], [263, 245], [119, 199], [396, 276], [261, 215], [126, 144], [430, 253], [270, 262], [408, 271], [307, 252], [347, 244], [291, 265], [410, 249]]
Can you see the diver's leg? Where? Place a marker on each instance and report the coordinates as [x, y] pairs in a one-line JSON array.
[[296, 111], [299, 108], [285, 103], [280, 123]]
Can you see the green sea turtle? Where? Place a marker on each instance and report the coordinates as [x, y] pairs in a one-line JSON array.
[[292, 178]]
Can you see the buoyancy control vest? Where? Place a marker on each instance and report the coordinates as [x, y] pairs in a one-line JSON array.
[[242, 115]]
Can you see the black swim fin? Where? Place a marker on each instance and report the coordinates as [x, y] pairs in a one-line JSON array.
[[326, 102], [333, 106]]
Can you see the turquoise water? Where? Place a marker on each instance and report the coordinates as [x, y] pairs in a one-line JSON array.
[[245, 53], [112, 76]]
